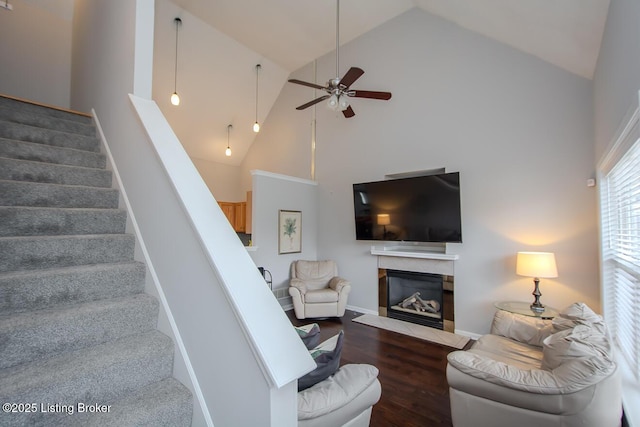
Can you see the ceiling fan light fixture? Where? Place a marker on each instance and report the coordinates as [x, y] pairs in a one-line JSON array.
[[333, 103], [343, 101], [338, 89]]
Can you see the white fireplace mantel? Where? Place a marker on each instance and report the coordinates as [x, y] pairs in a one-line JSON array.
[[414, 258], [412, 252]]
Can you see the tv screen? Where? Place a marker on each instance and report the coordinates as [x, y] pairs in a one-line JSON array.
[[418, 209]]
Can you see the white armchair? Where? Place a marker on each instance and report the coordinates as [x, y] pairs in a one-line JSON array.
[[317, 290]]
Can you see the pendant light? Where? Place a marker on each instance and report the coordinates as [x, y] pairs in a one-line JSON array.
[[227, 152], [256, 125], [175, 99]]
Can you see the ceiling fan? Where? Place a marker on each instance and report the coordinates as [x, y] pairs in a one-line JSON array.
[[339, 89]]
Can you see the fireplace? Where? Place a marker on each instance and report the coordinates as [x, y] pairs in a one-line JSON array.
[[415, 297], [419, 264], [422, 298]]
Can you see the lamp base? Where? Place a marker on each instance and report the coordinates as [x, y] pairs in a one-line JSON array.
[[536, 306]]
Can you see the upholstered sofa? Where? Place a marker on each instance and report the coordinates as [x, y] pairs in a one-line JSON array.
[[533, 372], [317, 290]]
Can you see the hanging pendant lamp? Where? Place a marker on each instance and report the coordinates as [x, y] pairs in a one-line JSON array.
[[256, 125], [175, 99], [227, 152]]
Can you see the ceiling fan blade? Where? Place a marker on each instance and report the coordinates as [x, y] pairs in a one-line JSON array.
[[300, 82], [370, 94], [310, 103], [348, 112], [351, 76]]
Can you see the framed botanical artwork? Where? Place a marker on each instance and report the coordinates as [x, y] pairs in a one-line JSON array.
[[289, 232]]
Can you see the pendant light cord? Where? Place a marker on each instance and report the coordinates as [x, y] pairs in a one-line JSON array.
[[175, 73], [257, 71]]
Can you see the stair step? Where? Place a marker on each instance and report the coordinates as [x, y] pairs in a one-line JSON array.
[[101, 374], [164, 403], [41, 289], [35, 221], [46, 121], [39, 252], [56, 138], [30, 171], [36, 334], [29, 107], [22, 150], [76, 327], [17, 193]]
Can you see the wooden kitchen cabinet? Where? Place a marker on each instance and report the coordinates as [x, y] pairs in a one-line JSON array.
[[248, 213], [236, 213], [240, 222], [229, 209]]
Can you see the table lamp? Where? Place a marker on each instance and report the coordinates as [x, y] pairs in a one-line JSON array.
[[536, 265], [384, 220]]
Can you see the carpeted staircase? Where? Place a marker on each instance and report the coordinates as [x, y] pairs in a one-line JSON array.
[[76, 328]]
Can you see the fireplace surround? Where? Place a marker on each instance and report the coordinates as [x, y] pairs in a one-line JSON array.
[[406, 271]]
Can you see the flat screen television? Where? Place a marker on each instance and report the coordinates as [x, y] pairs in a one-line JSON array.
[[417, 209]]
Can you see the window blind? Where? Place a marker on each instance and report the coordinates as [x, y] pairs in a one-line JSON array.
[[620, 225]]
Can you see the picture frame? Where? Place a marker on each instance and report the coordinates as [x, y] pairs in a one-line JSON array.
[[289, 232]]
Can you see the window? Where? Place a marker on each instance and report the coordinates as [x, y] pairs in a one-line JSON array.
[[620, 225]]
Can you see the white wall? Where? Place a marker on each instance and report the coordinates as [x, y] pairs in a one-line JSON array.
[[517, 129], [35, 54], [617, 77], [223, 180], [271, 193]]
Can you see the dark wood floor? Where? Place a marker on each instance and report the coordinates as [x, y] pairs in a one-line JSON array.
[[412, 371]]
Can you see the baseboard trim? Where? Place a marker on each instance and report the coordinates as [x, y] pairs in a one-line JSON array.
[[361, 310]]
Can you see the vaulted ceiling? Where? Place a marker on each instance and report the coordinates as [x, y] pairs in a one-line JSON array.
[[292, 33]]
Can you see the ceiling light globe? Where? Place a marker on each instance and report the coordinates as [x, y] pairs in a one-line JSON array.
[[256, 127], [343, 101], [175, 99], [333, 102], [227, 152]]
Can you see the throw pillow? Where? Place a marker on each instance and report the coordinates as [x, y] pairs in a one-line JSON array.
[[309, 334], [578, 314], [528, 330], [327, 358], [580, 342]]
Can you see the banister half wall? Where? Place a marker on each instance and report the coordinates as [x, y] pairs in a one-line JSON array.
[[238, 342]]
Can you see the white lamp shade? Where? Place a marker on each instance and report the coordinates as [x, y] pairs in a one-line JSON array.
[[256, 127], [536, 264], [227, 152], [383, 219]]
